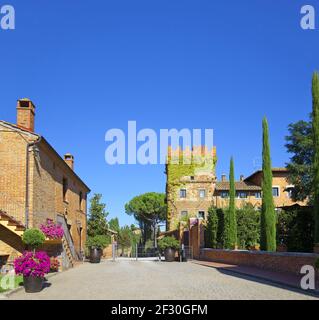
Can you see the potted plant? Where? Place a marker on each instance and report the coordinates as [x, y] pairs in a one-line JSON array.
[[96, 245], [52, 231], [33, 266], [33, 238], [169, 245]]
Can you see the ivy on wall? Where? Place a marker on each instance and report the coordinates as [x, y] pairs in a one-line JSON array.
[[176, 169]]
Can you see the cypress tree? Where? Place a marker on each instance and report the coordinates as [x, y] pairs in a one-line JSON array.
[[315, 129], [232, 209], [268, 215], [231, 221]]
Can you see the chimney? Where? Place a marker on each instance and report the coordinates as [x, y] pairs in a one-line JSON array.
[[241, 177], [224, 179], [25, 114], [69, 159]]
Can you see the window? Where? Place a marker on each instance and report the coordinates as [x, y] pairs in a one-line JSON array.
[[258, 195], [184, 213], [65, 188], [202, 193], [182, 193], [201, 215], [224, 194], [80, 200], [242, 195], [275, 191], [192, 177]]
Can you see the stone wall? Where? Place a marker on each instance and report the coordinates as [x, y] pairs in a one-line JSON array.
[[46, 173], [287, 262]]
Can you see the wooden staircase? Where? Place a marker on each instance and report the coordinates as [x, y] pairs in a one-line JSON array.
[[11, 223], [68, 252]]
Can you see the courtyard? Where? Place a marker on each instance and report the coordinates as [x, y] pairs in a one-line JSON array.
[[151, 280]]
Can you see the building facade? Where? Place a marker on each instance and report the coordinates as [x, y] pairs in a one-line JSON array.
[[36, 184], [193, 188]]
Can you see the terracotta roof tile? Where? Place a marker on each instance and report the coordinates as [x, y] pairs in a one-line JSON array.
[[239, 186]]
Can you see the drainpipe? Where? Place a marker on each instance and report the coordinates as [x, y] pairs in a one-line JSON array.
[[27, 204]]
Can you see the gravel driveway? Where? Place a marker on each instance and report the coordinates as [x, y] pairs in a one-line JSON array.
[[154, 280]]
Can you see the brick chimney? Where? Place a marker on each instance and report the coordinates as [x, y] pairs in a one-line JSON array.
[[25, 114], [69, 159], [224, 179]]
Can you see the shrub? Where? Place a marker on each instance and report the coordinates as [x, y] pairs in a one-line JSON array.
[[211, 229], [32, 264], [295, 229], [248, 226], [98, 241], [168, 242], [33, 238], [51, 230]]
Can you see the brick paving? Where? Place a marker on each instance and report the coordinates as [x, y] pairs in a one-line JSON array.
[[157, 280]]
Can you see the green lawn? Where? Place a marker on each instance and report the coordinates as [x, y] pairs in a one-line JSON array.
[[17, 282]]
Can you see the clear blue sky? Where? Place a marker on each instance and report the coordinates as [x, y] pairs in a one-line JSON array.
[[93, 65]]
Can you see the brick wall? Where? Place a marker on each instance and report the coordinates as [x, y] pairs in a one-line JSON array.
[[288, 262], [46, 173]]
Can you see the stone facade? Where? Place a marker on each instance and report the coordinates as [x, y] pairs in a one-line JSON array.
[[190, 186], [36, 183], [249, 190], [192, 189]]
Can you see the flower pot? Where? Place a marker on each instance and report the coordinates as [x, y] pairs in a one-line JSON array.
[[281, 248], [169, 254], [32, 284], [95, 255]]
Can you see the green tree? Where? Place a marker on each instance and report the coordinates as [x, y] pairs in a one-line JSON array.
[[149, 209], [97, 224], [211, 228], [248, 226], [315, 132], [124, 238], [300, 145], [231, 230], [114, 224], [268, 217]]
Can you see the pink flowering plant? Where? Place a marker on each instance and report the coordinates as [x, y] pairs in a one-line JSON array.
[[51, 230], [32, 264]]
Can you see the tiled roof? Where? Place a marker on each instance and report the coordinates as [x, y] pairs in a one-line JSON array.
[[239, 186], [274, 169]]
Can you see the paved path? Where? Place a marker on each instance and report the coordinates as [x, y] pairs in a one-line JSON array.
[[156, 280]]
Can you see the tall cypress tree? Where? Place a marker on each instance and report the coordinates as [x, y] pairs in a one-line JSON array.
[[232, 210], [315, 130], [268, 215]]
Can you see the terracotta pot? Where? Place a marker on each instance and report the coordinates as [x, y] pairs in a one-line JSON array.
[[281, 248], [169, 254], [32, 284], [95, 255]]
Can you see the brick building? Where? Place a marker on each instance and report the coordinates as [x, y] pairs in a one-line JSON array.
[[191, 191], [37, 184]]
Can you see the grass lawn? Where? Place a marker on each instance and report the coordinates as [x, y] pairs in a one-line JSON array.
[[17, 282]]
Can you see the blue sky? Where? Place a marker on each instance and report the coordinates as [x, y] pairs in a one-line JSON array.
[[90, 66]]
